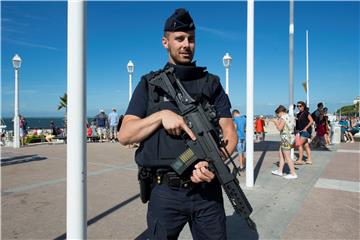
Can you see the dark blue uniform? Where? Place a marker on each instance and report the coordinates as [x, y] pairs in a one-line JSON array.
[[174, 199]]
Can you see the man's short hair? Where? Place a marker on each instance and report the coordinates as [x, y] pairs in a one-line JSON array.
[[235, 111], [320, 105]]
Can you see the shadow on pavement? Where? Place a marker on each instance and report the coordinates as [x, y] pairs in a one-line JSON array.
[[104, 214], [266, 146], [21, 159], [263, 146]]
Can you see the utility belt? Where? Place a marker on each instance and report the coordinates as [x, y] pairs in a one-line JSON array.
[[148, 178]]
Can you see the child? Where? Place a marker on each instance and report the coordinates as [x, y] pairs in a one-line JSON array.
[[320, 133], [89, 133], [285, 124], [93, 132]]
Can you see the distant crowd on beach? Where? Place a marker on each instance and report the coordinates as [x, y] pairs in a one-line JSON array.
[[104, 127]]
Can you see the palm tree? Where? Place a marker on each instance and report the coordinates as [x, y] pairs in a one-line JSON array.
[[63, 104]]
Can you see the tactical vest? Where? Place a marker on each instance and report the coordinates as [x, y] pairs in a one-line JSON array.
[[160, 149]]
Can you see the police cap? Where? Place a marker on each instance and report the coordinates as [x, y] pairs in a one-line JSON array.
[[180, 20]]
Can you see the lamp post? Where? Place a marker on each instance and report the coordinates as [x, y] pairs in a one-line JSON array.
[[227, 61], [130, 69], [17, 64]]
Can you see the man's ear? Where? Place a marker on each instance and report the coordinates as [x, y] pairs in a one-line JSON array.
[[165, 42]]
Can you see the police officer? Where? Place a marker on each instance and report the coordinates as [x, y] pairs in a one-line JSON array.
[[152, 119]]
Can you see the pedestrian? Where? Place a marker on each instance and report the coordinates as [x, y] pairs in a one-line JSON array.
[[327, 131], [94, 135], [240, 125], [101, 124], [316, 114], [22, 130], [285, 124], [152, 120], [113, 119], [259, 128], [304, 122]]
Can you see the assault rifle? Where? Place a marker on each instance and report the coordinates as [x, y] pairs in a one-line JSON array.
[[202, 121]]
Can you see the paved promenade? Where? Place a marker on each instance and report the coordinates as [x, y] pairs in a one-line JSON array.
[[323, 203]]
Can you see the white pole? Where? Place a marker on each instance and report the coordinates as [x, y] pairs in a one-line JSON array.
[[16, 143], [250, 95], [76, 223], [227, 80], [291, 58], [130, 86], [291, 68], [307, 70]]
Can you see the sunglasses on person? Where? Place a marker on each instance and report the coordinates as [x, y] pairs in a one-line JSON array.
[[299, 105]]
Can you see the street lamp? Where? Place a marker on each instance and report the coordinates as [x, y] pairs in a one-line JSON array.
[[130, 69], [227, 61], [17, 64]]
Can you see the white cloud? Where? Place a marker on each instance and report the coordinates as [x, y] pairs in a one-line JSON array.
[[220, 33], [34, 45]]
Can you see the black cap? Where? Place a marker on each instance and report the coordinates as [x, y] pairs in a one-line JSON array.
[[180, 20]]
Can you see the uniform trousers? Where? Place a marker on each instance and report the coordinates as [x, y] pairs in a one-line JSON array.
[[201, 206]]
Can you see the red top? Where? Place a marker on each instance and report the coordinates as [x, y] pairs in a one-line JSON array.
[[320, 130], [259, 125]]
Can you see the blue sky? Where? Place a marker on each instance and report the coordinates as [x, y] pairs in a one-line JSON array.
[[120, 31]]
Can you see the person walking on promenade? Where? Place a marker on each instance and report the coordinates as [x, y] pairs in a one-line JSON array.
[[303, 128], [152, 119], [113, 119], [101, 124], [259, 128], [240, 125], [23, 130], [285, 124], [316, 114]]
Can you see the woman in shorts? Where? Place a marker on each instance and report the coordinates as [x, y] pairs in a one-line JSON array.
[[285, 124], [304, 122]]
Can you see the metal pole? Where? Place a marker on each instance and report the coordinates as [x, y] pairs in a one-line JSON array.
[[291, 58], [227, 80], [291, 68], [250, 95], [307, 70], [130, 86], [16, 143], [76, 223]]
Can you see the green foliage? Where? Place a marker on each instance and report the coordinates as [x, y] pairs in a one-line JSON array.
[[34, 139], [349, 110], [63, 102]]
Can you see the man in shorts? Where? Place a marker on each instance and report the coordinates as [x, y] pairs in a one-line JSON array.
[[240, 124]]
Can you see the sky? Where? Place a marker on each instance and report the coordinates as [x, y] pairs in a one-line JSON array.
[[121, 31]]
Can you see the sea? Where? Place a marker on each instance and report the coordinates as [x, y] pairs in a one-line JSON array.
[[37, 123]]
